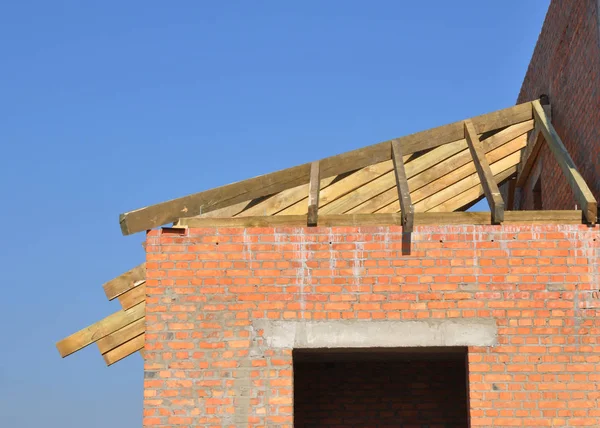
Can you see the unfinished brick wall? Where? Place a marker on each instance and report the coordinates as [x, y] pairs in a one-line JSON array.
[[210, 292], [566, 66], [381, 393]]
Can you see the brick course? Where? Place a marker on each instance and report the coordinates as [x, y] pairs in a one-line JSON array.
[[566, 66], [207, 366]]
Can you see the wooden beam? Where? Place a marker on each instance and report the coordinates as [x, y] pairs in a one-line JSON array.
[[582, 192], [408, 211], [264, 185], [125, 350], [428, 218], [124, 282], [119, 337], [492, 193], [313, 194], [100, 329], [134, 296]]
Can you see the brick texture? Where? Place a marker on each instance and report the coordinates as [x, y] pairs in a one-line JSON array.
[[566, 66], [401, 394], [208, 366]]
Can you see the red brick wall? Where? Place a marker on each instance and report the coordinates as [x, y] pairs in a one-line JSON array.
[[208, 366], [394, 394], [566, 66]]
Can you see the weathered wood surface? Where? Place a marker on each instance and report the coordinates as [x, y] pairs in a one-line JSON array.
[[582, 192], [264, 185], [100, 329], [486, 177], [124, 282], [408, 211], [313, 194]]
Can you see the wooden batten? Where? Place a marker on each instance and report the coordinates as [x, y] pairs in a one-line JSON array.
[[124, 350], [119, 337], [124, 282], [100, 329], [492, 192]]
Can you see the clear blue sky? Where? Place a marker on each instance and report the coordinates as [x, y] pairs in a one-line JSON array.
[[109, 106]]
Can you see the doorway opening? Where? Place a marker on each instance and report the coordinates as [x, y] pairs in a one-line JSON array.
[[381, 387]]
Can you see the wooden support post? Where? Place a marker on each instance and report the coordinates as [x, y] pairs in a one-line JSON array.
[[313, 194], [490, 187], [406, 206], [582, 192]]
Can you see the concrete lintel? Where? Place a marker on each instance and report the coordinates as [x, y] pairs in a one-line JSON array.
[[377, 334]]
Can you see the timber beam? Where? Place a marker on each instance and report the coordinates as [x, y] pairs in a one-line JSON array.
[[406, 206], [313, 194], [582, 192], [488, 182]]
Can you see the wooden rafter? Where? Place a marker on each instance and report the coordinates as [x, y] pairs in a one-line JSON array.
[[492, 192], [313, 194], [582, 192], [125, 282], [408, 211], [198, 203]]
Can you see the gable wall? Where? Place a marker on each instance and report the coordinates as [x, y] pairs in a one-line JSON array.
[[225, 308]]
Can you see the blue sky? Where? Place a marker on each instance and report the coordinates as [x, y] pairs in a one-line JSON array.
[[109, 106]]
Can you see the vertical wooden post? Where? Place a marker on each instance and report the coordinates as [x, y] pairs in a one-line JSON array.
[[406, 206], [313, 194]]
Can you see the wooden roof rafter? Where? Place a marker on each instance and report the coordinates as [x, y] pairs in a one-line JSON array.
[[265, 185]]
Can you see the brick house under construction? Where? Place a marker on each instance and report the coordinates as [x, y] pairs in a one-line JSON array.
[[356, 291]]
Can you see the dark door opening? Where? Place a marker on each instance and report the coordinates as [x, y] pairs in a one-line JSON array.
[[381, 387]]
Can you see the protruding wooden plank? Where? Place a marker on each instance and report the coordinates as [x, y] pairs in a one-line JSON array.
[[254, 221], [492, 192], [125, 350], [133, 296], [100, 329], [313, 194], [264, 185], [119, 337], [406, 206], [420, 218], [124, 282], [582, 192]]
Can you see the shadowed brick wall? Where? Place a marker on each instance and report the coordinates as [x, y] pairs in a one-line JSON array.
[[566, 66], [210, 364], [394, 394]]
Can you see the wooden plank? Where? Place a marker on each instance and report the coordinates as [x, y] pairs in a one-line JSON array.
[[492, 192], [421, 218], [313, 194], [264, 185], [119, 337], [125, 350], [256, 221], [100, 329], [439, 198], [463, 195], [582, 192], [124, 282], [408, 211], [283, 200], [134, 296], [431, 193], [543, 217]]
